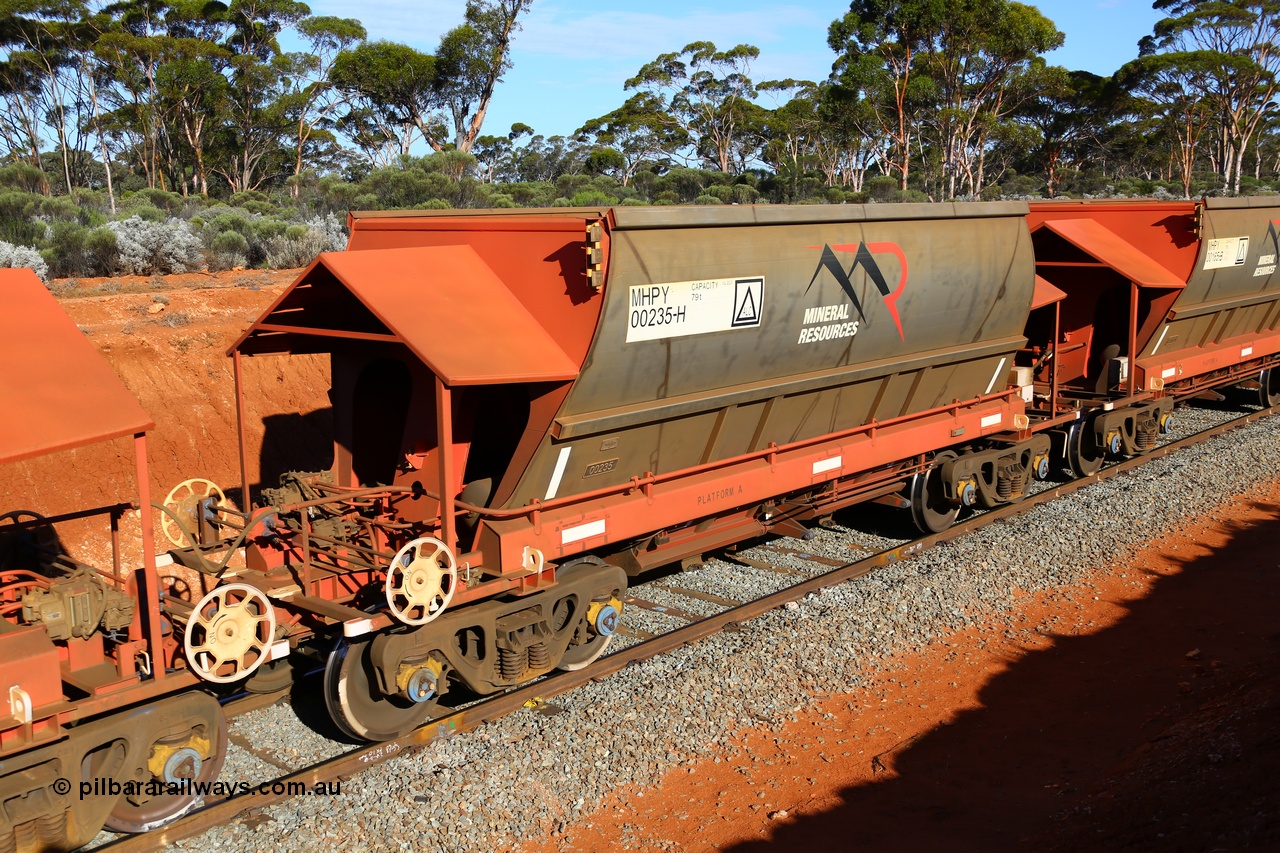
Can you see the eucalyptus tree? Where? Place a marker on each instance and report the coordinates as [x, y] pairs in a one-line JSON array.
[[1170, 88], [706, 94], [256, 123], [981, 49], [639, 131], [1068, 111], [312, 100], [850, 141], [792, 130], [471, 61], [1232, 47], [878, 44], [19, 118], [165, 88], [390, 97], [49, 47]]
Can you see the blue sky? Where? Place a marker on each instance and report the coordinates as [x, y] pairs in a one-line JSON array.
[[570, 64]]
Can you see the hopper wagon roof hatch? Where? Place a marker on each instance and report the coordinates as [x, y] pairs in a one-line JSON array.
[[1110, 249], [58, 392], [442, 302]]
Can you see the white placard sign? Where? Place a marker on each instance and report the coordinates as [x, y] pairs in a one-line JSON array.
[[677, 308], [1226, 252]]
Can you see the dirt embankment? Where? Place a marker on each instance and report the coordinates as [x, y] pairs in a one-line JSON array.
[[167, 338]]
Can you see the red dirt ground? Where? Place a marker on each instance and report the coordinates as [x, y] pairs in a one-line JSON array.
[[1139, 711]]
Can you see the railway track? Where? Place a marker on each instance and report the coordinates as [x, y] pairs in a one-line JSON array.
[[644, 644]]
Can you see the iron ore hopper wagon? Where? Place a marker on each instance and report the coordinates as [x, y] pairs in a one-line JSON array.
[[530, 406], [99, 723]]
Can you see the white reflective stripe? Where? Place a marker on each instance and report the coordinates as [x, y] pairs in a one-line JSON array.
[[996, 375], [824, 465], [1168, 371], [582, 531], [279, 649], [992, 420], [1160, 340], [165, 559], [1246, 352], [357, 627], [561, 463]]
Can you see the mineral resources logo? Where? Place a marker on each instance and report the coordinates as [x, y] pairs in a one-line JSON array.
[[831, 321]]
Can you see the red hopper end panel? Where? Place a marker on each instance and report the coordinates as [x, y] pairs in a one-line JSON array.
[[58, 392], [443, 302]]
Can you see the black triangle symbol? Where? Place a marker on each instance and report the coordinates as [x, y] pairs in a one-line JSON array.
[[747, 310]]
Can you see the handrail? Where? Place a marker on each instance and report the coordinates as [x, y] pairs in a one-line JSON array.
[[635, 483]]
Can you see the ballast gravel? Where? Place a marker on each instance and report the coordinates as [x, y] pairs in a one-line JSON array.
[[526, 775]]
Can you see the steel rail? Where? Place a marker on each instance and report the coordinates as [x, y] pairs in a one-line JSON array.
[[223, 811]]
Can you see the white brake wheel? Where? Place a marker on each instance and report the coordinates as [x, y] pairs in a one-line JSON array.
[[184, 502], [230, 633], [421, 581]]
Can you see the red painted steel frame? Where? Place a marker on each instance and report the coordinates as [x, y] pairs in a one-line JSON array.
[[1190, 363], [444, 429], [652, 503], [149, 587]]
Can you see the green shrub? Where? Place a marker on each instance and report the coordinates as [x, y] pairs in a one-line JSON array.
[[152, 197], [910, 197], [531, 193], [16, 223], [24, 177], [145, 212], [100, 247], [229, 221], [590, 198], [264, 229], [227, 250], [881, 187], [241, 198]]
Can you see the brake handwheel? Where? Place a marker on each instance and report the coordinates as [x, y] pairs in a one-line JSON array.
[[421, 581], [185, 503]]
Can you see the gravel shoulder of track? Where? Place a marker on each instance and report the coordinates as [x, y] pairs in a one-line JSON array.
[[524, 775]]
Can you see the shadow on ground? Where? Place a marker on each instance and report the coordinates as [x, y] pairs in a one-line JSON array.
[[1114, 740]]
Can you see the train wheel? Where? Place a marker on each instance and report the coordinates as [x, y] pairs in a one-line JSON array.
[[1084, 456], [173, 762], [603, 613], [421, 581], [1269, 387], [930, 509], [358, 707]]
